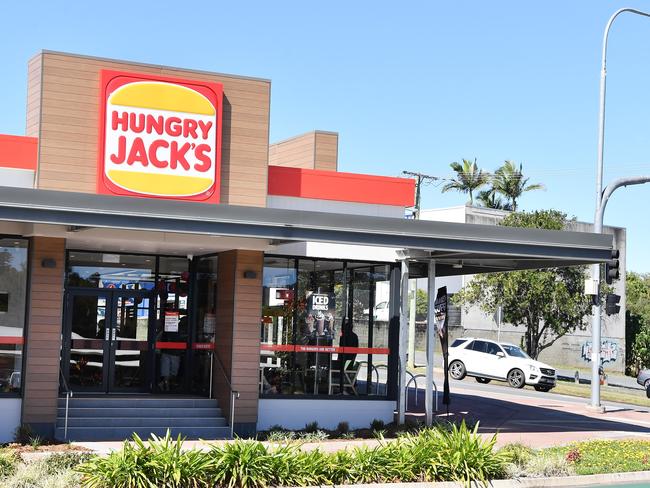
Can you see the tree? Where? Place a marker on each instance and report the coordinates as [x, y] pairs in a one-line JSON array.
[[549, 303], [421, 304], [637, 321], [510, 182], [468, 178], [489, 199]]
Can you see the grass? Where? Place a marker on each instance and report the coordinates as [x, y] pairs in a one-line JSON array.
[[595, 457], [609, 393]]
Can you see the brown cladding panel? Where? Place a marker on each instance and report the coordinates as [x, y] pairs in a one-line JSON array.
[[67, 124], [41, 376], [326, 152], [238, 339], [297, 152]]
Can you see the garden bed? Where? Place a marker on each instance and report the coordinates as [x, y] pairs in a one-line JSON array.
[[444, 453]]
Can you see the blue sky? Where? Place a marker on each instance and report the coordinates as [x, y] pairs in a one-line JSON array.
[[414, 85]]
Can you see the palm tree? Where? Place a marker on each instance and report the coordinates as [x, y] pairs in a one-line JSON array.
[[510, 182], [489, 199], [468, 178]]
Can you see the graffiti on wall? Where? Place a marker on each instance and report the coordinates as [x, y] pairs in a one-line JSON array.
[[608, 351]]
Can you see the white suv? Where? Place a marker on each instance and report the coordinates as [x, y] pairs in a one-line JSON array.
[[488, 360]]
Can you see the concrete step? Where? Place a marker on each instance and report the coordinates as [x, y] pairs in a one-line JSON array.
[[90, 434], [213, 421], [88, 402], [129, 411]]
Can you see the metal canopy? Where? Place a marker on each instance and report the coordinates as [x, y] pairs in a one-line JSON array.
[[457, 248]]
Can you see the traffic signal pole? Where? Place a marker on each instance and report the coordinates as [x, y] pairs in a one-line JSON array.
[[601, 202], [595, 275]]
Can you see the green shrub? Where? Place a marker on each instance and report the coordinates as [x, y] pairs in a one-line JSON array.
[[36, 475], [311, 427], [23, 434], [437, 454], [64, 461], [377, 424], [159, 462], [8, 461], [548, 464], [280, 435], [343, 428], [315, 436], [244, 464], [517, 453]]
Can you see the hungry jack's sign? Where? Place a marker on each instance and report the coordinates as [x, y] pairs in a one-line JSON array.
[[159, 137]]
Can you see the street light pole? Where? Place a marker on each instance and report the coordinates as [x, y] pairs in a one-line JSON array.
[[598, 217]]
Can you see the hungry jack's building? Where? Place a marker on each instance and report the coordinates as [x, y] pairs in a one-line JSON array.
[[169, 267]]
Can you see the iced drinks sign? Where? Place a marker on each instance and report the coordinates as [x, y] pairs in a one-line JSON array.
[[159, 137]]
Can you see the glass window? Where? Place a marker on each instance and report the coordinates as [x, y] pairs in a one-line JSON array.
[[277, 372], [458, 342], [325, 327], [322, 308], [105, 270], [205, 324], [493, 348], [13, 291], [480, 346]]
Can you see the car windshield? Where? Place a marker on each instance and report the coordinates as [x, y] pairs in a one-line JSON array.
[[515, 351]]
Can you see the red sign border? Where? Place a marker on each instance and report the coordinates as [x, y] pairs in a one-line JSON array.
[[209, 89]]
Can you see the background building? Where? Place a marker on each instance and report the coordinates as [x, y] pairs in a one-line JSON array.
[[570, 351]]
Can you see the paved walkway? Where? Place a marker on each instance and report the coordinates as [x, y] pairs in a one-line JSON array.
[[532, 418]]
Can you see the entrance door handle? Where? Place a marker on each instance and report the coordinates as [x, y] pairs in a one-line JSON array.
[[114, 334], [107, 334]]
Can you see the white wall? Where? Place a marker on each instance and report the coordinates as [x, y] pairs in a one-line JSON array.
[[10, 418], [20, 178], [294, 414], [333, 206], [336, 251]]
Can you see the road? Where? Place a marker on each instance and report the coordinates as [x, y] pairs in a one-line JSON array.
[[534, 418]]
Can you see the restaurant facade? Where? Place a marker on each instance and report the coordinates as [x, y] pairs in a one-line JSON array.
[[165, 266]]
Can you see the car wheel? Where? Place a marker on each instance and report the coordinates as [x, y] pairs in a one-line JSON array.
[[457, 370], [542, 388], [516, 378], [484, 381]]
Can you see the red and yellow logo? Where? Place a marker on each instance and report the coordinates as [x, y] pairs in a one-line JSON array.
[[159, 137]]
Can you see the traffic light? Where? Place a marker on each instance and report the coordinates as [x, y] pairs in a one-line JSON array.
[[612, 271], [611, 303]]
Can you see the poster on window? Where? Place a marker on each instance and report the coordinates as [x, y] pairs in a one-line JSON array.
[[171, 321], [441, 306], [321, 310], [209, 323]]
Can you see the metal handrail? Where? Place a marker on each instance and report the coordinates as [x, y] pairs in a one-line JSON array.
[[234, 394], [68, 394]]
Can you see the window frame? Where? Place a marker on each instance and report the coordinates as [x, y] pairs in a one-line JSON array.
[[389, 396], [25, 334]]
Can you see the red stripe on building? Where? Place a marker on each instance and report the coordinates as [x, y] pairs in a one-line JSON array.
[[203, 346], [12, 340], [278, 347], [18, 152], [324, 349], [342, 187], [171, 345]]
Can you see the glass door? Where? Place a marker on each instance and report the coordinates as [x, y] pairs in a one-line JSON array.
[[88, 338], [129, 345], [108, 341]]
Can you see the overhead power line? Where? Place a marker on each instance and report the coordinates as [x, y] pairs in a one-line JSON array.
[[420, 179]]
